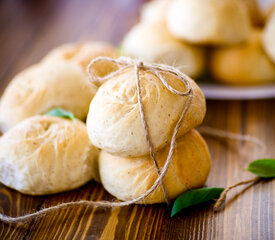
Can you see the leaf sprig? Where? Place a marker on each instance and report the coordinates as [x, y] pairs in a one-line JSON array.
[[59, 112], [194, 197], [263, 168]]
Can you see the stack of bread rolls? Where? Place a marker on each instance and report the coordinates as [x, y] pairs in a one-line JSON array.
[[114, 125], [43, 154], [230, 39]]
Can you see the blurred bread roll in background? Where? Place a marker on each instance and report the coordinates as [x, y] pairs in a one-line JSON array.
[[243, 64], [129, 178], [83, 53], [154, 11], [42, 87], [266, 7], [254, 11], [209, 21], [153, 43], [114, 122], [259, 10], [45, 155], [269, 37]]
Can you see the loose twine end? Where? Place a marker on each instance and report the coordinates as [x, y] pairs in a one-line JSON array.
[[220, 201], [233, 136]]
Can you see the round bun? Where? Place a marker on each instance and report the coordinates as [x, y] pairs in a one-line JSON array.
[[114, 122], [154, 11], [269, 37], [129, 178], [153, 43], [45, 155], [82, 53], [209, 21], [243, 64], [42, 87]]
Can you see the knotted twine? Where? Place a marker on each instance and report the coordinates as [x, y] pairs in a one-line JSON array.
[[156, 69]]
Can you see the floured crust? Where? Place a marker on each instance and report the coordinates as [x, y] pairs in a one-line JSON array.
[[45, 155], [154, 11], [209, 21], [42, 87], [129, 178], [82, 53], [153, 43], [114, 122]]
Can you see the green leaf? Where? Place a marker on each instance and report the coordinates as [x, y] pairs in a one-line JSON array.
[[119, 49], [264, 168], [59, 112], [194, 197]]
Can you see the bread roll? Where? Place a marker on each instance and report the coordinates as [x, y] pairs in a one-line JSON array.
[[153, 42], [45, 155], [44, 86], [269, 37], [154, 11], [83, 53], [243, 64], [129, 178], [209, 21], [114, 121]]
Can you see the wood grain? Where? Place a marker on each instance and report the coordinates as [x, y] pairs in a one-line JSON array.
[[28, 30]]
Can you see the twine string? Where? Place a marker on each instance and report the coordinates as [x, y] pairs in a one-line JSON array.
[[233, 136], [147, 133], [123, 64], [225, 191]]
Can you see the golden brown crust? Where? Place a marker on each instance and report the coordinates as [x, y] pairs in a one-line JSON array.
[[243, 64], [129, 178]]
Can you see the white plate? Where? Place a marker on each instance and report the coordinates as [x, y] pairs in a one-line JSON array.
[[224, 92]]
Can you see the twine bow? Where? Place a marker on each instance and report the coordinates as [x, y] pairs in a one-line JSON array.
[[125, 62]]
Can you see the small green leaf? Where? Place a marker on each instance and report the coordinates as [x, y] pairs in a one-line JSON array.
[[264, 168], [119, 49], [194, 197], [59, 112]]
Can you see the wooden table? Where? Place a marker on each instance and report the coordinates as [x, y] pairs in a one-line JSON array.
[[29, 29]]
